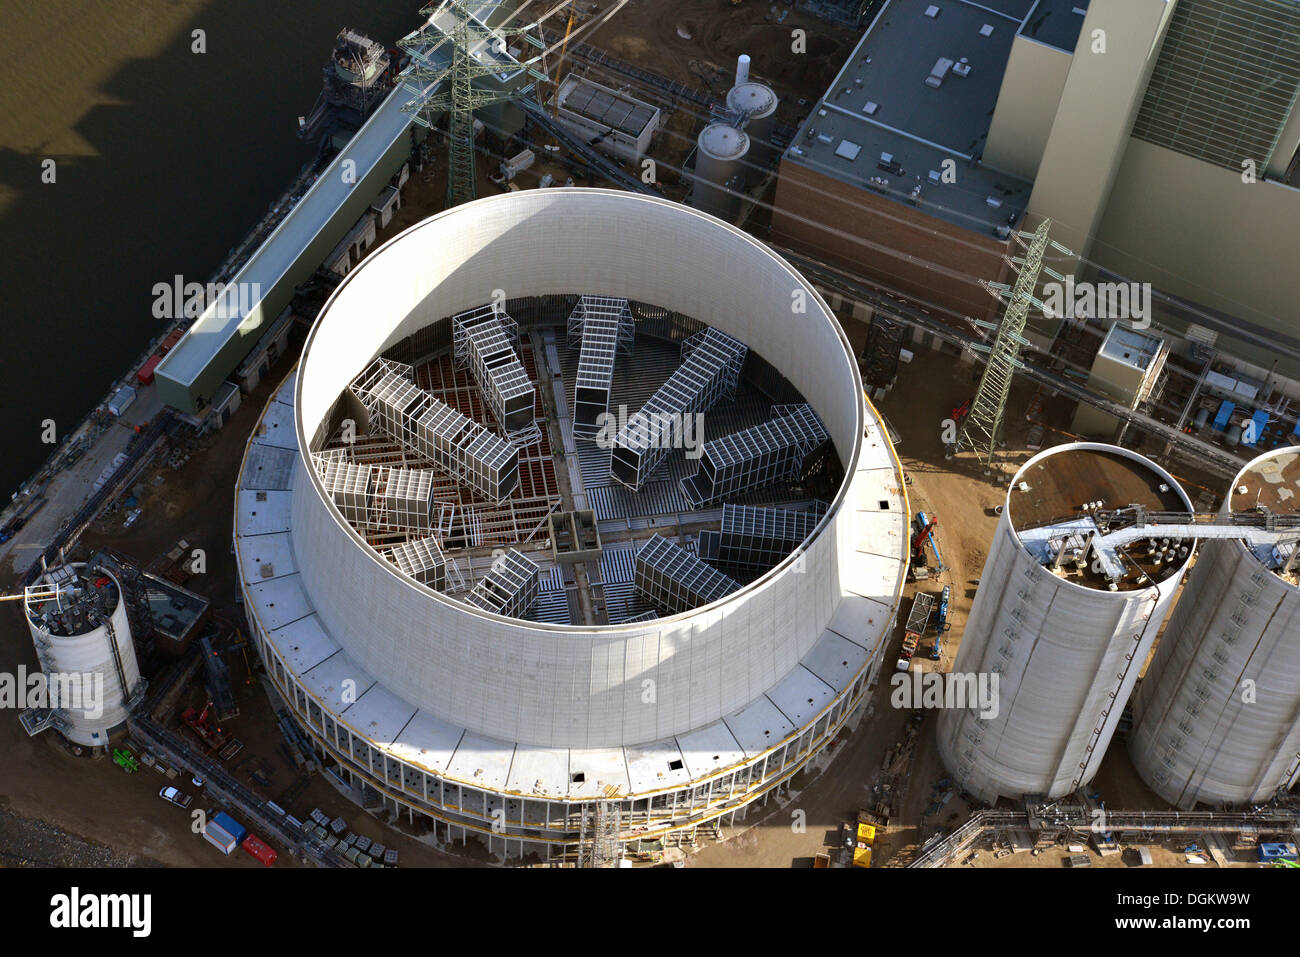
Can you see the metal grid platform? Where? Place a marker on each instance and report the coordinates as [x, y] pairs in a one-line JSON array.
[[509, 588], [772, 452], [483, 342], [674, 580], [602, 327], [710, 369]]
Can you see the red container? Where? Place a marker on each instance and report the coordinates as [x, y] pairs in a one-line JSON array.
[[173, 337], [145, 375], [259, 849]]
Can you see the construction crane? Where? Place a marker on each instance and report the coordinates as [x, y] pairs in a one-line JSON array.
[[460, 64], [564, 49]]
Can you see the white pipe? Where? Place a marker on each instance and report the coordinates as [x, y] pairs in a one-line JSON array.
[[742, 69]]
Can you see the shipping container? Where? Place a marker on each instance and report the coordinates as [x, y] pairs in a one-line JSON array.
[[173, 337], [121, 400], [219, 837], [259, 849], [231, 825], [145, 375]]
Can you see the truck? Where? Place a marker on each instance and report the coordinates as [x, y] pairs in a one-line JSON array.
[[223, 832], [918, 623], [941, 625], [259, 849]]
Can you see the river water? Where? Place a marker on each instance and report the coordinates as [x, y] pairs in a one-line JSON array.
[[163, 159]]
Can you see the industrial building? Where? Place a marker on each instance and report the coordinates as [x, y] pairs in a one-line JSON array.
[[491, 686], [78, 621], [616, 123], [1217, 714], [1131, 124], [1063, 620]]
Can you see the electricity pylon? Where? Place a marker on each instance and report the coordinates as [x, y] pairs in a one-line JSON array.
[[460, 64], [982, 427]]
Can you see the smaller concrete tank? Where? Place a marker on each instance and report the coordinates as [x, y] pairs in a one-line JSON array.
[[719, 167]]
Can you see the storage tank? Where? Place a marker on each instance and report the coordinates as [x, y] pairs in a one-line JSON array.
[[1217, 715], [759, 101], [1062, 626], [718, 163], [78, 623]]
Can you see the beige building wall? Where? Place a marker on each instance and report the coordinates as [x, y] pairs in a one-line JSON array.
[[1098, 105], [1027, 107], [1198, 232]]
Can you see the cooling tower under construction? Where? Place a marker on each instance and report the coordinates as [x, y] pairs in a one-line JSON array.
[[1217, 716], [1063, 625]]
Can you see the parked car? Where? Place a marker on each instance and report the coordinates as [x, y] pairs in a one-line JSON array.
[[175, 796], [196, 781]]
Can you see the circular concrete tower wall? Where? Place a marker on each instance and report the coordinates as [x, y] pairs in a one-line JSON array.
[[579, 686]]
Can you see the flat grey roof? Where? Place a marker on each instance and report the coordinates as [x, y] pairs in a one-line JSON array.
[[881, 103], [1055, 23], [604, 106]]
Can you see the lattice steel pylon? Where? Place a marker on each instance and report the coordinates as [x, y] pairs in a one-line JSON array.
[[982, 426], [460, 64]]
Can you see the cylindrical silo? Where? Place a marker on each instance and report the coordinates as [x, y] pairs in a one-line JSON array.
[[78, 621], [1059, 629], [759, 101], [718, 168], [1217, 715]]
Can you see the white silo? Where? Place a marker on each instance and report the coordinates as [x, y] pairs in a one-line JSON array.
[[78, 621], [719, 170], [1217, 715], [759, 102], [1062, 626]]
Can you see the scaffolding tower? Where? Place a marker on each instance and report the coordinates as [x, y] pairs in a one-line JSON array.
[[982, 428], [880, 356], [601, 327], [599, 847], [510, 587], [774, 451], [483, 342], [710, 369], [674, 580]]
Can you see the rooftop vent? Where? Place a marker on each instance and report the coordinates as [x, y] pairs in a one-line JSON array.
[[939, 73], [986, 30], [993, 202], [870, 108], [962, 68], [932, 11], [1080, 11], [848, 150]]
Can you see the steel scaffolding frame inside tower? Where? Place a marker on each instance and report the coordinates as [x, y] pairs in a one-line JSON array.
[[710, 369], [510, 587], [602, 327], [421, 559], [476, 457], [403, 498], [674, 580], [761, 537], [349, 486], [774, 451], [483, 341]]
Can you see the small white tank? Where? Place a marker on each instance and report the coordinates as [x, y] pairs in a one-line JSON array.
[[79, 626], [760, 101], [719, 163]]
